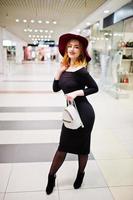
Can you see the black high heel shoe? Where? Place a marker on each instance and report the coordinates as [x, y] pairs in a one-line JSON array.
[[51, 184], [79, 180]]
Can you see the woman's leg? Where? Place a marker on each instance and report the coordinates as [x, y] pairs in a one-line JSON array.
[[56, 164], [82, 161]]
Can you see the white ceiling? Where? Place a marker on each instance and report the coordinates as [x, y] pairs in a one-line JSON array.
[[67, 13], [99, 15]]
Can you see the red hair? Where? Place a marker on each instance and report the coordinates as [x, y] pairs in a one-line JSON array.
[[81, 60]]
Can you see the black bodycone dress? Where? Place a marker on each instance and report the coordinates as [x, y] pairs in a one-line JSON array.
[[77, 141]]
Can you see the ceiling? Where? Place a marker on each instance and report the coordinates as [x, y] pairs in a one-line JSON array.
[[67, 14]]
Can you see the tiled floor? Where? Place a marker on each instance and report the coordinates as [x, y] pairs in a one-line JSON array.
[[30, 122]]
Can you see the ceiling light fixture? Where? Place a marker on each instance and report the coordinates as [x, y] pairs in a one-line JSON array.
[[24, 20], [39, 21], [17, 20], [106, 11], [47, 22], [54, 22], [88, 23], [78, 30], [32, 21]]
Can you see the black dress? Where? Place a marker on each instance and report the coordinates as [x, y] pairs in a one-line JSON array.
[[77, 141]]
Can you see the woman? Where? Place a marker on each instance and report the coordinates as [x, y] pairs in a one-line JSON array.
[[76, 83]]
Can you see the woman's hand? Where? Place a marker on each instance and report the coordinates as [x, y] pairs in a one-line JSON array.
[[61, 69], [72, 95]]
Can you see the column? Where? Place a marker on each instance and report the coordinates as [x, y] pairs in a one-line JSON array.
[[1, 50], [19, 52]]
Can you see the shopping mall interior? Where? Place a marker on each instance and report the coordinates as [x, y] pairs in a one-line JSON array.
[[31, 113]]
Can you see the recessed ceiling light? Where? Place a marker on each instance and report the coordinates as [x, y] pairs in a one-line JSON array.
[[54, 22], [32, 21], [47, 22], [39, 21], [41, 31], [35, 30], [25, 30], [88, 23], [51, 31], [106, 11], [17, 20], [29, 35], [24, 20], [46, 31], [78, 30]]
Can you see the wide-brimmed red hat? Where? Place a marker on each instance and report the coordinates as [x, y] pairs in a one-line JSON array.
[[64, 39]]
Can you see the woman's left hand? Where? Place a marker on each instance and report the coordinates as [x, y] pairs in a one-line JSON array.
[[71, 96]]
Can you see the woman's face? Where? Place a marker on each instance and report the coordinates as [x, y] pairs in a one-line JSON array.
[[73, 49]]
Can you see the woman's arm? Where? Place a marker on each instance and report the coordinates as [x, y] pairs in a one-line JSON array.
[[56, 87], [91, 86], [90, 83]]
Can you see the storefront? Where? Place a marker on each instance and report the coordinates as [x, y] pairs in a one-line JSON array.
[[41, 52], [112, 52]]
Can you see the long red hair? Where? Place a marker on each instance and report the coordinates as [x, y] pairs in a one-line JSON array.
[[81, 60]]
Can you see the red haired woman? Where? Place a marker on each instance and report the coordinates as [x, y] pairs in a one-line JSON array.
[[74, 80]]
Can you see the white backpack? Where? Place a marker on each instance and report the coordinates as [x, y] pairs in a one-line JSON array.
[[71, 117]]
